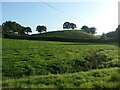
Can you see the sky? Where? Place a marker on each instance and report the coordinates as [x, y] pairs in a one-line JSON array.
[[103, 14]]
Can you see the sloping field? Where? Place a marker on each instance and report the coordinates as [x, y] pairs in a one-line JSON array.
[[27, 63], [68, 34]]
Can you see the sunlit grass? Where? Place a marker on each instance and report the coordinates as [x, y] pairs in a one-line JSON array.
[[46, 64]]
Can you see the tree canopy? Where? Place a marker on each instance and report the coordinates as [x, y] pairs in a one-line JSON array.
[[68, 25], [72, 25], [103, 37], [91, 30], [40, 28], [114, 34], [118, 28], [13, 27], [27, 29]]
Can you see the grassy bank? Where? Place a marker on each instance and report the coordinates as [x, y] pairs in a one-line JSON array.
[[28, 63]]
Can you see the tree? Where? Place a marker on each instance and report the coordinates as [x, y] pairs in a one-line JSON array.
[[91, 30], [114, 34], [118, 34], [72, 25], [11, 27], [44, 28], [103, 37], [85, 28], [41, 28], [118, 28], [68, 25], [27, 29]]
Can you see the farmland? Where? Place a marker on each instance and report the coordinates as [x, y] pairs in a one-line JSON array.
[[59, 45], [68, 34], [48, 64]]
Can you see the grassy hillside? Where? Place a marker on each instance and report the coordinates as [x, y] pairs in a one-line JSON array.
[[91, 79], [26, 58], [68, 34]]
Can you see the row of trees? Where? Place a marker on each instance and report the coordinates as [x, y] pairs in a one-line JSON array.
[[13, 27], [9, 27], [92, 30], [114, 34], [68, 25]]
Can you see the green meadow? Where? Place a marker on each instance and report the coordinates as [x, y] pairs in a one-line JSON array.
[[50, 64]]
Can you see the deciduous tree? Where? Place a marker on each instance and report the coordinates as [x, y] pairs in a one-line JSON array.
[[27, 29], [68, 25], [91, 30], [41, 28]]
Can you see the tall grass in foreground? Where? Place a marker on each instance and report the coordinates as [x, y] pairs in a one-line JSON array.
[[90, 79]]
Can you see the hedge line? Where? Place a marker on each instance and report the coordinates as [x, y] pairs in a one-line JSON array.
[[31, 37]]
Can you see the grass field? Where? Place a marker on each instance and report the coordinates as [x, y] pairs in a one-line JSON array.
[[68, 34], [91, 79], [46, 64]]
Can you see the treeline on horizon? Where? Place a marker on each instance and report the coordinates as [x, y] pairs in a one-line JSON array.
[[12, 29]]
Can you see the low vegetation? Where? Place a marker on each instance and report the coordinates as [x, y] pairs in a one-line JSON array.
[[47, 64], [99, 78]]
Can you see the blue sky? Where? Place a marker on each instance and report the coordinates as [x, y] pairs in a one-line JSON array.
[[102, 15]]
